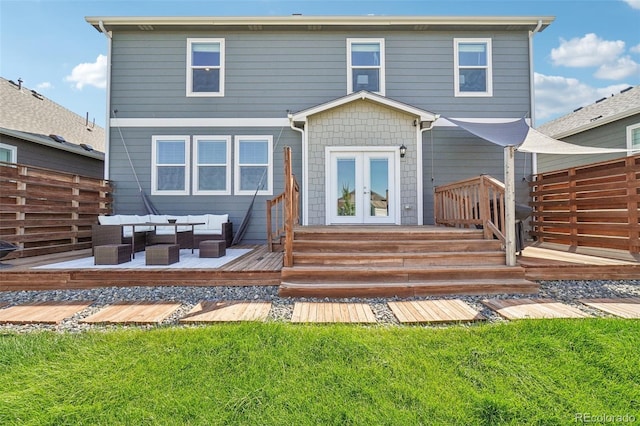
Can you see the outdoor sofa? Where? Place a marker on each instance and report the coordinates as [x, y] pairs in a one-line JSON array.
[[112, 230]]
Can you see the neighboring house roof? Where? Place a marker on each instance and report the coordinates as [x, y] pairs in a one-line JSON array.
[[365, 95], [25, 110], [604, 111], [48, 141], [317, 23]]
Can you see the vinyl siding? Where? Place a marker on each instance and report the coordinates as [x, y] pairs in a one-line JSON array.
[[34, 154], [127, 199], [456, 155], [268, 73]]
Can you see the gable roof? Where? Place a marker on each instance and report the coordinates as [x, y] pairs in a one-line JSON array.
[[422, 115], [47, 141], [25, 110], [606, 110], [318, 23]]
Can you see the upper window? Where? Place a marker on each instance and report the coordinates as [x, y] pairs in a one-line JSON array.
[[212, 158], [365, 65], [205, 67], [8, 153], [633, 138], [169, 169], [254, 165], [473, 72]]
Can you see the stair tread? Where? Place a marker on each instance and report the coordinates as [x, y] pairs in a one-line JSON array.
[[394, 268], [431, 283]]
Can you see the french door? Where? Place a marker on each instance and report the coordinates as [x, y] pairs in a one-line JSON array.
[[362, 186]]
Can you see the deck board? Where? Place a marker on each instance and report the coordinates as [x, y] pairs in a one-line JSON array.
[[627, 307], [140, 312], [227, 311], [42, 312], [325, 312], [514, 309], [434, 311]]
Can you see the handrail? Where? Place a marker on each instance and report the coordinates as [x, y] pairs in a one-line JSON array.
[[475, 202], [287, 212]]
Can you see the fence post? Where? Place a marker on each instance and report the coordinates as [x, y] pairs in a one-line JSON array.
[[288, 206], [632, 204], [509, 205]]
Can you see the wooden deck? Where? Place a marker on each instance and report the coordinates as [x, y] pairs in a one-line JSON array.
[[41, 312], [228, 311], [360, 313], [406, 274], [514, 309], [139, 312], [434, 311], [625, 308], [258, 267]]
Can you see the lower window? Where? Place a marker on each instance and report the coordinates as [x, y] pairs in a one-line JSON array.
[[169, 169], [254, 165]]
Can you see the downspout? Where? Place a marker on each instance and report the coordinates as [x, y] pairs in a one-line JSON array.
[[107, 127], [419, 170], [303, 212], [534, 156]]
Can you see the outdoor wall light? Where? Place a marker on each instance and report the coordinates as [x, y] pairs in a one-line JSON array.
[[403, 151]]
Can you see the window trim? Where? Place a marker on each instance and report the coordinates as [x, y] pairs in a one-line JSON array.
[[196, 164], [221, 67], [154, 166], [236, 175], [381, 67], [13, 150], [488, 67], [630, 130]]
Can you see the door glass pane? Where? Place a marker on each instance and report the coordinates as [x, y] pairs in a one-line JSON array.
[[379, 184], [346, 202]]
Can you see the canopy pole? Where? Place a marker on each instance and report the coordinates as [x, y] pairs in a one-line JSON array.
[[510, 205]]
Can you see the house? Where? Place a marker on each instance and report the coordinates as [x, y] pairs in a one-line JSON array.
[[200, 109], [611, 122], [38, 132]]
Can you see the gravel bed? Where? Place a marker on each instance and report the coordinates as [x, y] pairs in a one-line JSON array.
[[569, 292]]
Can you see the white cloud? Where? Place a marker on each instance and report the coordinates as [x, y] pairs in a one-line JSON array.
[[557, 95], [44, 85], [588, 51], [633, 3], [90, 74], [621, 68], [636, 48]]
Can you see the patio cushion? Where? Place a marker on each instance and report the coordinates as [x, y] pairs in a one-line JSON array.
[[109, 220], [199, 218]]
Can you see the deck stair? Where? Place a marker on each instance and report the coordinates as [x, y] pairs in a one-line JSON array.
[[403, 261]]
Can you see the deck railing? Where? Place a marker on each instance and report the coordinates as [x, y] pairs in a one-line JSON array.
[[596, 205], [475, 202], [283, 212], [46, 211]]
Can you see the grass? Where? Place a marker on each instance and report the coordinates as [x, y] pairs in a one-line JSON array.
[[541, 372]]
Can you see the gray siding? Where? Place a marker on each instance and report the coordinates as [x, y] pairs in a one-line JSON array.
[[127, 196], [268, 73], [34, 154], [612, 135], [456, 155]]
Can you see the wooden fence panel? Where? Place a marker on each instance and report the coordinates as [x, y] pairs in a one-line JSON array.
[[45, 211], [596, 205]]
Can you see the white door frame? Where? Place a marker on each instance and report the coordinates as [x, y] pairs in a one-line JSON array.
[[397, 200]]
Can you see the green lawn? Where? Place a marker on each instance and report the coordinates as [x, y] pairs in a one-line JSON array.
[[542, 372]]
